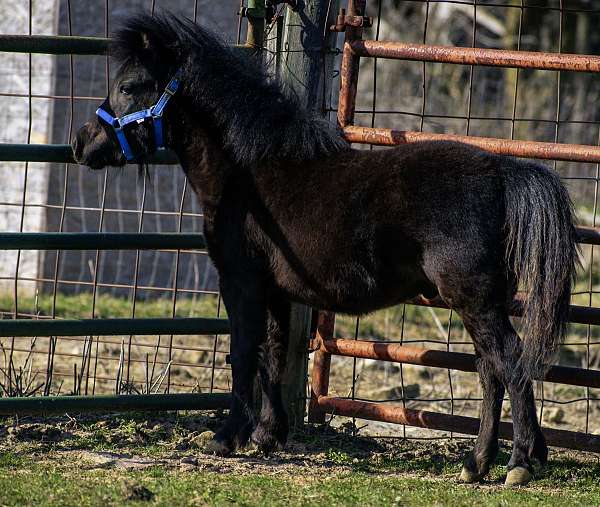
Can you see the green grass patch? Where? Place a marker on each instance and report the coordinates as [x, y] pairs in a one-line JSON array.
[[43, 485], [11, 460], [107, 306]]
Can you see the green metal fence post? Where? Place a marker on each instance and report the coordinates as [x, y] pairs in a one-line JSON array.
[[255, 12]]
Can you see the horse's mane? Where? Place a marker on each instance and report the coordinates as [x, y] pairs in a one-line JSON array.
[[257, 120]]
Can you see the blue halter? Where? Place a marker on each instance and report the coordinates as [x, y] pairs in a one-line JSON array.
[[153, 113]]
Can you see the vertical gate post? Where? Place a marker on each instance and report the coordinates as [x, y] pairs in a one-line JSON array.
[[255, 12], [350, 64], [321, 366], [306, 69]]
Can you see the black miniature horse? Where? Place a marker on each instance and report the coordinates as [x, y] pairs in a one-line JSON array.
[[292, 213]]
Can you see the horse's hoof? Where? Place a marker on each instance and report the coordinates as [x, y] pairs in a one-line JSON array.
[[203, 439], [469, 476], [217, 448], [518, 476], [266, 441]]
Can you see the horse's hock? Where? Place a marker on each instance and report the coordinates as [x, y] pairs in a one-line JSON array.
[[411, 365]]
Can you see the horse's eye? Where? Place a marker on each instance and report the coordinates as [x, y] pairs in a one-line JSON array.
[[125, 90]]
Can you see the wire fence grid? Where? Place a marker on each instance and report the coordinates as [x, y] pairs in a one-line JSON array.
[[44, 99]]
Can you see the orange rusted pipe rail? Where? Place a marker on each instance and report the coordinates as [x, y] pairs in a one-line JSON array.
[[446, 422], [319, 384], [350, 66], [588, 315], [396, 353], [529, 149], [476, 56]]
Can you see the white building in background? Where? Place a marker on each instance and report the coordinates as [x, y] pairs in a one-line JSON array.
[[19, 127]]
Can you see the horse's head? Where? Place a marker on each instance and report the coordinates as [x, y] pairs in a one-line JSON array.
[[129, 125], [225, 99]]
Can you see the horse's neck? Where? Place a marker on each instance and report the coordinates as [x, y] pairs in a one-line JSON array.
[[206, 167]]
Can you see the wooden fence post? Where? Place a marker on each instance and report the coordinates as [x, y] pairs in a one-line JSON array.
[[306, 68]]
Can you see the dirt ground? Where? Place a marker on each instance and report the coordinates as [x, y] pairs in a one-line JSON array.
[[137, 441]]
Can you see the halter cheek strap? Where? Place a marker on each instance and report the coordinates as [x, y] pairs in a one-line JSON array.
[[153, 113]]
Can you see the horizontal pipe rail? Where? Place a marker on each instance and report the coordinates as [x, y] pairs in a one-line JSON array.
[[396, 353], [446, 422], [54, 44], [588, 315], [63, 154], [528, 149], [61, 44], [100, 241], [476, 56], [126, 402], [588, 235], [112, 327]]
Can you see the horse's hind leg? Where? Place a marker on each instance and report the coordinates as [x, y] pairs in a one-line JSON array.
[[272, 429], [477, 463], [500, 348], [529, 444], [487, 334]]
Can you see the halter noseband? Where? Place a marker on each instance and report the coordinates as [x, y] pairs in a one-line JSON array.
[[153, 113]]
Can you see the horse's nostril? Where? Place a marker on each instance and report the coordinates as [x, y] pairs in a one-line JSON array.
[[77, 147], [74, 145]]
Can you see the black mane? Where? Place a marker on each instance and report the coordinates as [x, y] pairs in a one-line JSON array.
[[256, 119]]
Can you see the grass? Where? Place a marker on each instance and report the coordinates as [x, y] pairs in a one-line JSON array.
[[54, 484], [72, 306], [47, 463]]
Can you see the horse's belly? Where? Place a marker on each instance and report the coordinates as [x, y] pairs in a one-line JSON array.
[[348, 287]]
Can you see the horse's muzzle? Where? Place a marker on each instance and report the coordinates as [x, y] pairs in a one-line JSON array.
[[92, 147]]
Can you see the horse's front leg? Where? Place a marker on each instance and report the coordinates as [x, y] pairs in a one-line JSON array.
[[272, 429], [246, 307]]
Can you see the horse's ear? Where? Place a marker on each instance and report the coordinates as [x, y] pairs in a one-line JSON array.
[[148, 47], [152, 49], [146, 41]]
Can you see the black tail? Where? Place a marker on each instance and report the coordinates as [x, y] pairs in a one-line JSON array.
[[542, 252]]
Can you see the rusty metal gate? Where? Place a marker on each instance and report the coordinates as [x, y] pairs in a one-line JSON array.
[[352, 21]]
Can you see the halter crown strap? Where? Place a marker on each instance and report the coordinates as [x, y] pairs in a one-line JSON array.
[[154, 113]]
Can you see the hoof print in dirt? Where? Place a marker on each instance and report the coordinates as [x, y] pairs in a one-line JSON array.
[[137, 492]]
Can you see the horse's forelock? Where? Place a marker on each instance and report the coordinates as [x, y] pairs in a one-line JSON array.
[[148, 38]]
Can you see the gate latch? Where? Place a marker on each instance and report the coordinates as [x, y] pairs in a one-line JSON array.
[[266, 9], [343, 20]]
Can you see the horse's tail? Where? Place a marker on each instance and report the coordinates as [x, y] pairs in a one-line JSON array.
[[541, 252]]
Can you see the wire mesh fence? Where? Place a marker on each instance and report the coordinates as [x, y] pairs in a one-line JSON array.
[[46, 97], [508, 103], [43, 99]]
